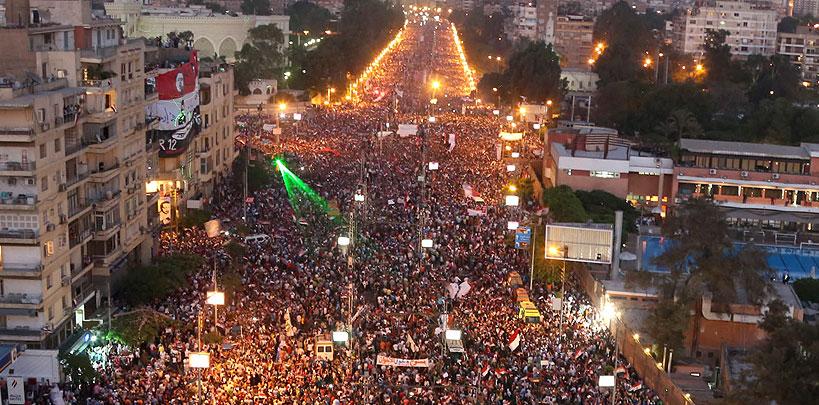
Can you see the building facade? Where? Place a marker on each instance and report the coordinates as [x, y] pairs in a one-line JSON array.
[[574, 41], [73, 149], [214, 34], [801, 49], [751, 27], [546, 11], [523, 22]]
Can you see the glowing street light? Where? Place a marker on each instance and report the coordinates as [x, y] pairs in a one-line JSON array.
[[436, 85], [513, 188]]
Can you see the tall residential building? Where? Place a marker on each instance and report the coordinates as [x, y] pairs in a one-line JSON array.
[[72, 154], [752, 28], [805, 8], [573, 41], [523, 21], [802, 48], [546, 11], [190, 160]]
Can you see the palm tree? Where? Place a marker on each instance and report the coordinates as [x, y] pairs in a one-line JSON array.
[[680, 124]]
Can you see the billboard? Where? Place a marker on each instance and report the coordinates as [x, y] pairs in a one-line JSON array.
[[17, 394], [590, 243], [177, 110]]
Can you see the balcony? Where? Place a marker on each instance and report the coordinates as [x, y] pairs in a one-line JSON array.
[[24, 135], [18, 236], [74, 147], [101, 117], [79, 207], [75, 179], [68, 119], [80, 269], [78, 238], [101, 84], [21, 300], [98, 55], [20, 202], [107, 230], [17, 168], [103, 173], [20, 270], [24, 333]]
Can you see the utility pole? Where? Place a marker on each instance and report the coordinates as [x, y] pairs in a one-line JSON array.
[[563, 289]]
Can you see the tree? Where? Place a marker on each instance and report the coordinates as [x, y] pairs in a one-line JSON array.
[[78, 368], [138, 327], [186, 37], [807, 289], [680, 124], [534, 73], [601, 205], [785, 367], [259, 57], [702, 259], [563, 204], [717, 63], [626, 39], [146, 284], [256, 7], [773, 77], [306, 16], [667, 321], [619, 105]]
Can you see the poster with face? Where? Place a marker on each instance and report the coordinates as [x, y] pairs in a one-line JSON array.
[[177, 110]]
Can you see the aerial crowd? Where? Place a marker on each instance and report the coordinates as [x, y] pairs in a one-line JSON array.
[[392, 294]]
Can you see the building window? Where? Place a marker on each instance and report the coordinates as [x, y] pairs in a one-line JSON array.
[[57, 146], [43, 151], [48, 248], [48, 282], [44, 183]]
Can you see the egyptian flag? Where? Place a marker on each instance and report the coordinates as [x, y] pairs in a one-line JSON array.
[[485, 369], [514, 341], [619, 370], [175, 83], [635, 386]]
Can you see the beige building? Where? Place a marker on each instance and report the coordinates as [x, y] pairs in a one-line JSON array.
[[72, 153], [574, 37], [802, 48], [751, 27]]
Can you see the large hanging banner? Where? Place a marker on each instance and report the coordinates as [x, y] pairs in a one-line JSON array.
[[394, 362], [177, 110]]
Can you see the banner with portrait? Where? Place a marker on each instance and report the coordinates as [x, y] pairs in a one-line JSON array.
[[176, 112]]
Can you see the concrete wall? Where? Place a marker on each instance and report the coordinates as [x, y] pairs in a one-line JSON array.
[[16, 59]]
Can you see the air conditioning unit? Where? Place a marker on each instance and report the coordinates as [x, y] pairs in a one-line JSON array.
[[63, 186], [743, 174], [44, 126], [49, 227], [30, 181], [775, 176], [712, 171]]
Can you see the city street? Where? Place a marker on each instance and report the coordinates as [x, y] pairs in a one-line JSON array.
[[414, 249]]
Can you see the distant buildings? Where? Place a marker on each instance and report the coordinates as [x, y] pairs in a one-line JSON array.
[[574, 41], [214, 34], [78, 148], [546, 20], [523, 22], [752, 28], [802, 49]]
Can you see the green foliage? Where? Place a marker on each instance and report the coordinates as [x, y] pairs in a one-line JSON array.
[[627, 39], [194, 218], [483, 36], [534, 73], [785, 367], [259, 57], [235, 250], [306, 16], [667, 322], [807, 289], [136, 328], [365, 27], [146, 284], [564, 206], [600, 207], [256, 7], [78, 368]]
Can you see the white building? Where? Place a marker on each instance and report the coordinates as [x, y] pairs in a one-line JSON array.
[[523, 22], [217, 34], [752, 28], [802, 49]]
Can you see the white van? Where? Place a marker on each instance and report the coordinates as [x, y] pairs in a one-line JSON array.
[[257, 238], [324, 349]]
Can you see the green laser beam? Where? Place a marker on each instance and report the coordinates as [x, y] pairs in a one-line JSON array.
[[298, 190]]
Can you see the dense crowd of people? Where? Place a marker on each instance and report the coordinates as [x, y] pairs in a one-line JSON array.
[[300, 284]]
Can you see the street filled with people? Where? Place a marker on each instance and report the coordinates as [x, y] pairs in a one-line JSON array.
[[397, 234]]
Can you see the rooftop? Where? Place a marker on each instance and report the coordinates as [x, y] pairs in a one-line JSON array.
[[748, 149]]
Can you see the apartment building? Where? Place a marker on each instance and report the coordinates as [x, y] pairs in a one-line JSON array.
[[574, 41], [751, 27], [802, 48], [523, 21], [72, 153], [188, 168]]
